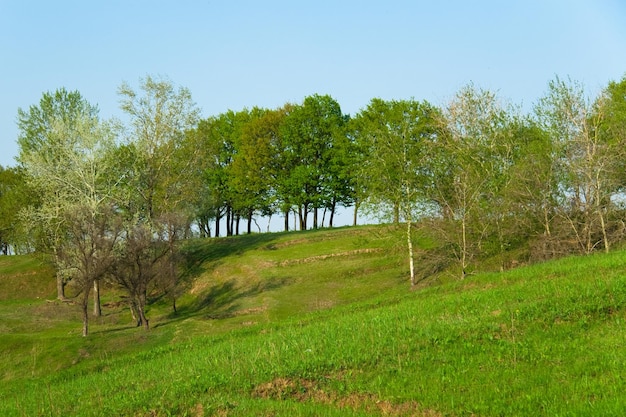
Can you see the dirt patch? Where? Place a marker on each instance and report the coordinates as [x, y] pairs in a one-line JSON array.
[[307, 390], [324, 257], [251, 310]]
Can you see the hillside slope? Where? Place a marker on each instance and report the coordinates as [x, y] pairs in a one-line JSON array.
[[322, 323]]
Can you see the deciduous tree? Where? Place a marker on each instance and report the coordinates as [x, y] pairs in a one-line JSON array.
[[396, 137], [47, 132], [309, 134], [474, 160], [587, 160]]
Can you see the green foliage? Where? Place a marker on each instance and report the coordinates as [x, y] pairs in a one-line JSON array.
[[15, 196], [395, 138], [159, 115], [310, 156], [62, 107]]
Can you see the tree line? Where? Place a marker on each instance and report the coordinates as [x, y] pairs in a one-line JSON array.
[[112, 201]]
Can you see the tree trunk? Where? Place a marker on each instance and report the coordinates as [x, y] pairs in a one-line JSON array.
[[333, 206], [144, 319], [286, 220], [218, 218], [409, 242], [83, 304], [85, 320], [356, 211], [396, 213], [463, 247], [250, 212], [599, 211], [315, 218], [97, 310], [61, 287], [142, 310], [301, 216], [229, 225], [134, 312]]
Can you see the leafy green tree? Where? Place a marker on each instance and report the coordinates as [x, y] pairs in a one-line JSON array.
[[309, 134], [49, 140], [251, 173], [69, 169], [395, 137], [473, 165], [15, 195], [280, 163], [612, 130], [341, 172], [216, 137], [532, 190], [160, 178]]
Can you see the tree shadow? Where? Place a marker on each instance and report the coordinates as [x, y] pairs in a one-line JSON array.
[[204, 255], [201, 256], [221, 301]]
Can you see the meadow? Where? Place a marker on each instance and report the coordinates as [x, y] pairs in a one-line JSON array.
[[323, 323]]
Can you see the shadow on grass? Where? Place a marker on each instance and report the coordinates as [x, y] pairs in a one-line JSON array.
[[204, 255], [201, 256], [221, 300]]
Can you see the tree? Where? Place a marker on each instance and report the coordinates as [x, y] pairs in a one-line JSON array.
[[282, 164], [341, 172], [15, 196], [309, 134], [87, 254], [587, 161], [160, 179], [471, 166], [216, 137], [395, 137], [532, 190], [49, 141], [612, 130], [69, 168], [251, 172], [159, 119]]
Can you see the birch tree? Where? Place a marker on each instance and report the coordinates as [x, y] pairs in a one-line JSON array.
[[586, 159], [395, 137], [473, 163]]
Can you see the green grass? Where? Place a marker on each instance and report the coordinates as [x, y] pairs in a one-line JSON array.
[[323, 323]]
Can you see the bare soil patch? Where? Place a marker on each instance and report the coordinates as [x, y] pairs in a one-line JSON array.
[[308, 390]]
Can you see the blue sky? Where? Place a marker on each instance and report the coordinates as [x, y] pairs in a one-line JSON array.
[[235, 54]]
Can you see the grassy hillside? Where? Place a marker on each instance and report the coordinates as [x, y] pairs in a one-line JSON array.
[[323, 323]]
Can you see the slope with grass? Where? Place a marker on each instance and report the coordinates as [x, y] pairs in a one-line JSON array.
[[323, 323]]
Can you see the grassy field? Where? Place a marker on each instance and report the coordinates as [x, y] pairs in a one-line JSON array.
[[323, 323]]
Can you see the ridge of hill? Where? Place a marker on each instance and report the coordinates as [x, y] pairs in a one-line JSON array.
[[323, 323]]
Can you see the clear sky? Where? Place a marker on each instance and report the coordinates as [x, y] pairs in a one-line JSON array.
[[233, 54]]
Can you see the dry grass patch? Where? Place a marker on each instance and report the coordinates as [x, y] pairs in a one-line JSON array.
[[302, 390]]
